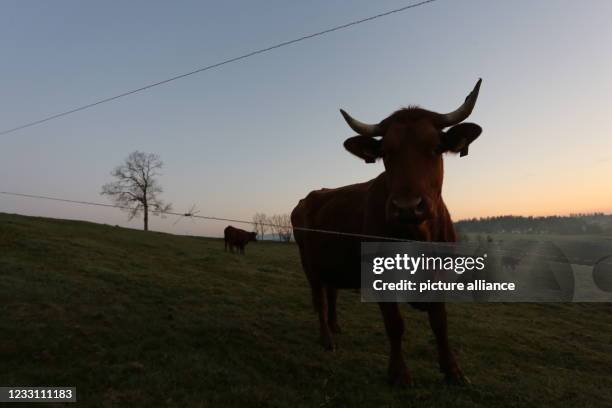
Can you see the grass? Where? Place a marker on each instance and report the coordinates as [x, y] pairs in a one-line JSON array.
[[150, 319]]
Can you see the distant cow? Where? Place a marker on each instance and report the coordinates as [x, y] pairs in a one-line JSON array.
[[235, 237], [510, 262], [405, 201]]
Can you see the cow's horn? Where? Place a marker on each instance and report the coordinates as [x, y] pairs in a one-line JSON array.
[[363, 129], [464, 110]]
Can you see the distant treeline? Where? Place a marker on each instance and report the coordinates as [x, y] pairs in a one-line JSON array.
[[591, 223]]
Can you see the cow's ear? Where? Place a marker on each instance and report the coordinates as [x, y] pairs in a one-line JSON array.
[[458, 138], [365, 147]]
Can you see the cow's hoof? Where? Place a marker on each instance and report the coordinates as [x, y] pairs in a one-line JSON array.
[[335, 328], [401, 381], [457, 379], [328, 343], [400, 377]]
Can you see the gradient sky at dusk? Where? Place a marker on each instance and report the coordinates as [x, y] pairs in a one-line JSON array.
[[258, 135]]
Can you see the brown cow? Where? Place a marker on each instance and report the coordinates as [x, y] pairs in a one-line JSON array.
[[510, 262], [235, 237], [405, 201]]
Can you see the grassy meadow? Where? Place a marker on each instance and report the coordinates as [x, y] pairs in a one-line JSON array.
[[150, 319]]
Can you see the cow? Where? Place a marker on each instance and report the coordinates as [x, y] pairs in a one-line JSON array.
[[510, 262], [236, 237], [403, 202]]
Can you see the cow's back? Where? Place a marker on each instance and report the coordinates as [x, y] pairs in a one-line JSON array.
[[236, 236], [327, 256]]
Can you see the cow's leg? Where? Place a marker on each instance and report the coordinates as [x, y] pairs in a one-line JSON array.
[[332, 297], [448, 363], [394, 325], [225, 245], [319, 300]]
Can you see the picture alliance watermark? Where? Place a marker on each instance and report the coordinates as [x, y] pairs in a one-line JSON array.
[[435, 264], [519, 271]]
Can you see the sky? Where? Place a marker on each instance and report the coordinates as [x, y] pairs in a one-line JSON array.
[[259, 134]]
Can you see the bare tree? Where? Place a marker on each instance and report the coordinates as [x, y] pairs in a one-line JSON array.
[[281, 225], [136, 188], [286, 229], [260, 223]]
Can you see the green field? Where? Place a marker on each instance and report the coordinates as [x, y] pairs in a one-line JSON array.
[[149, 319]]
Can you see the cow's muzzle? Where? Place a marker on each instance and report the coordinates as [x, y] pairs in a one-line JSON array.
[[408, 210]]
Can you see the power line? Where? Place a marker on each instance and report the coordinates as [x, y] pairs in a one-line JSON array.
[[193, 215], [216, 65]]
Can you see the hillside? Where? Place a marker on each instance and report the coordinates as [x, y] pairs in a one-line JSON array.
[[150, 319], [575, 224]]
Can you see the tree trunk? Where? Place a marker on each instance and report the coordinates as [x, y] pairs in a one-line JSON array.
[[146, 217]]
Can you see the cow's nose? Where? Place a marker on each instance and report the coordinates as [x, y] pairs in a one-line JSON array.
[[408, 208]]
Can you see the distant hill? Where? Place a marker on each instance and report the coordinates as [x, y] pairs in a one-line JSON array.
[[593, 223]]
